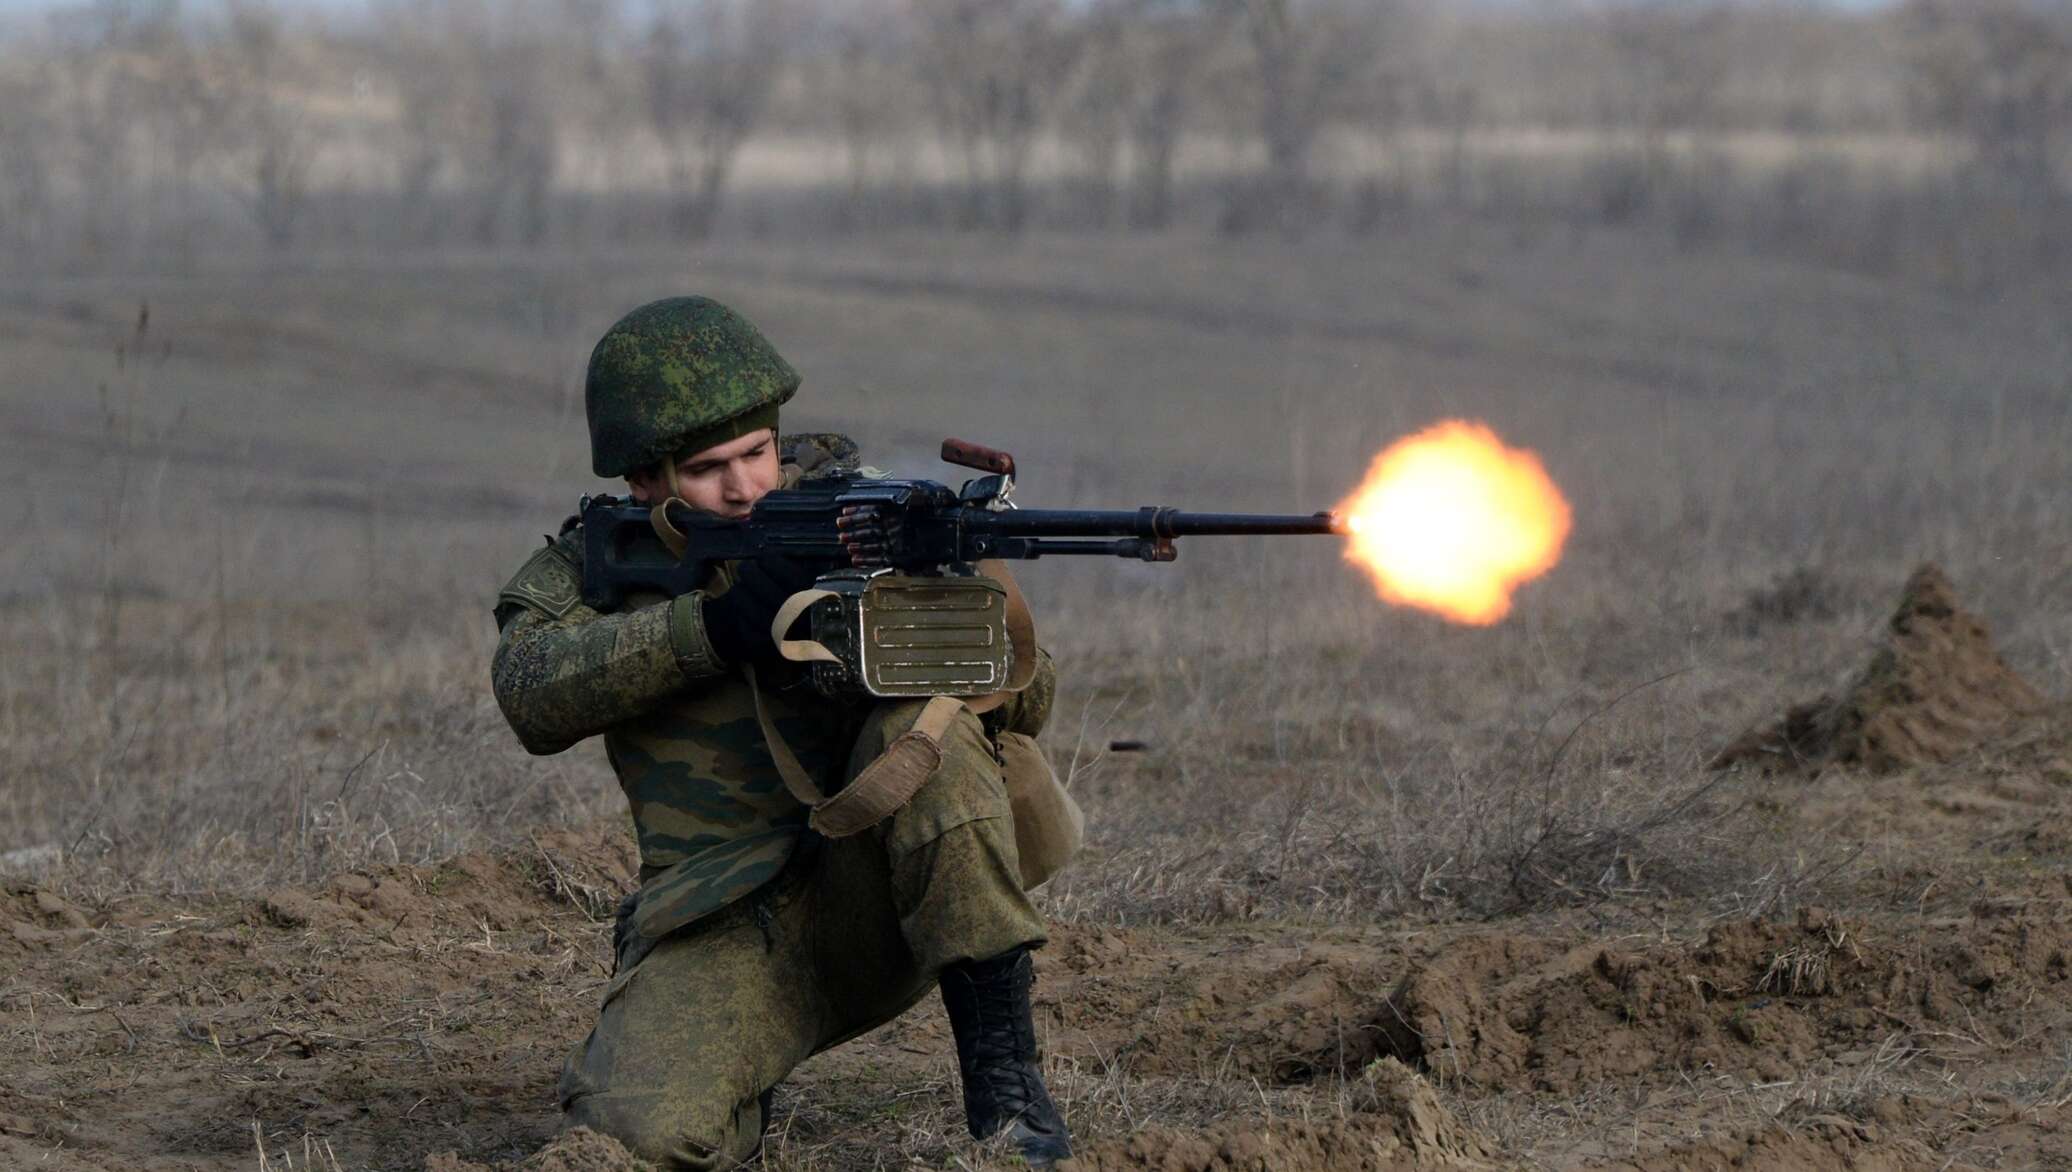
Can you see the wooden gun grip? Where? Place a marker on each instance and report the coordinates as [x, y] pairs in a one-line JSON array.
[[966, 454]]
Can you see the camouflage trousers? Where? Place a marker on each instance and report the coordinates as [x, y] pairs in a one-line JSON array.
[[853, 933]]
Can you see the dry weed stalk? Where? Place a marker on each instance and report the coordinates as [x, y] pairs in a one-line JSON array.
[[317, 1155], [1806, 968]]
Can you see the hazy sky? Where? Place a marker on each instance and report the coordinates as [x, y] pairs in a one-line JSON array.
[[19, 15], [22, 7]]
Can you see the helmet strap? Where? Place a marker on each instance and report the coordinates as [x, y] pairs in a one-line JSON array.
[[659, 515]]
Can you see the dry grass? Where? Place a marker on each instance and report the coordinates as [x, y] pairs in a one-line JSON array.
[[251, 644]]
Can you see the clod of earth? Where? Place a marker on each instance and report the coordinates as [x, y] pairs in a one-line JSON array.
[[1933, 689], [1755, 999], [1818, 1143], [576, 1150], [1397, 1123]]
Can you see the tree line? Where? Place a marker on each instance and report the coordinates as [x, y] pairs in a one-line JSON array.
[[151, 129]]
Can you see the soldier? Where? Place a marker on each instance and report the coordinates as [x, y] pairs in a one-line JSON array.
[[753, 942]]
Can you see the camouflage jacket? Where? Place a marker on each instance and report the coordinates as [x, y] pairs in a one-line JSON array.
[[713, 817]]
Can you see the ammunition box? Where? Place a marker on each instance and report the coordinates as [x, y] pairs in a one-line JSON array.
[[900, 636]]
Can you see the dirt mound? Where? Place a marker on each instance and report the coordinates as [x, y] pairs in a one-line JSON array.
[[576, 1150], [1822, 1143], [1398, 1123], [378, 1013], [588, 868], [1932, 690], [1755, 999], [32, 918], [1288, 1016]]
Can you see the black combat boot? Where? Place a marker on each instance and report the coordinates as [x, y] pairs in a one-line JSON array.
[[988, 1003]]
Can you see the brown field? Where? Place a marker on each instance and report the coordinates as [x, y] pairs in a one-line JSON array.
[[282, 889]]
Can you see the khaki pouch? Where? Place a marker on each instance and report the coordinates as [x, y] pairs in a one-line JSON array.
[[1049, 827]]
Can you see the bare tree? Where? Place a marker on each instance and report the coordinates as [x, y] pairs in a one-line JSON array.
[[512, 137], [182, 112], [476, 89], [1455, 107], [429, 111], [598, 106], [708, 67], [1093, 115], [589, 31], [27, 131], [1666, 77], [991, 68], [190, 135], [1167, 42], [1999, 73], [264, 110], [97, 107], [130, 89], [865, 88], [1309, 58]]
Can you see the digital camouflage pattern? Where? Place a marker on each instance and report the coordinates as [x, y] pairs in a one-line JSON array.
[[679, 375], [570, 672], [692, 1032], [564, 671], [712, 815]]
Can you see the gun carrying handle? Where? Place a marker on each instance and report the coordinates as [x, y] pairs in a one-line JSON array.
[[966, 454]]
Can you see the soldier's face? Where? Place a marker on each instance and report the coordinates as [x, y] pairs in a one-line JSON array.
[[726, 479]]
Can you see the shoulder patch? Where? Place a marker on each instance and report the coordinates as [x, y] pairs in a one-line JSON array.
[[548, 582]]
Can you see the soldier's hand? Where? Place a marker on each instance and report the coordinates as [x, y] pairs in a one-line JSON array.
[[738, 622]]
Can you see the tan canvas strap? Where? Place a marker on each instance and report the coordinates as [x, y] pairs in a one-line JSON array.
[[890, 781], [885, 784], [789, 476], [659, 518], [800, 650]]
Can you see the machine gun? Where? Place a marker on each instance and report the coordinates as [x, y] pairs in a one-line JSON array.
[[905, 608]]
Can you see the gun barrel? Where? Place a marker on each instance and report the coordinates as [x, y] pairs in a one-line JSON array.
[[1242, 524], [1155, 523]]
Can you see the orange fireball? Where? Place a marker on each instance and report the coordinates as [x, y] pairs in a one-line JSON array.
[[1453, 521]]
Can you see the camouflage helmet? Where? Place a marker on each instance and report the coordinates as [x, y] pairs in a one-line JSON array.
[[679, 375]]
